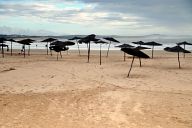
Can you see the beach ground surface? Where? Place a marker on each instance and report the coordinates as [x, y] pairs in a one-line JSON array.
[[41, 92]]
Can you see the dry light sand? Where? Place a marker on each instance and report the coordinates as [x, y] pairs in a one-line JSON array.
[[40, 92]]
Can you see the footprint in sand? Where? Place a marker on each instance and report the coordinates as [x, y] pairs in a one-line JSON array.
[[119, 98], [137, 108]]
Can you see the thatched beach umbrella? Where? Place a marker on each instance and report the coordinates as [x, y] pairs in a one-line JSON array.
[[177, 49], [11, 40], [77, 38], [87, 40], [152, 43], [125, 46], [59, 46], [2, 41], [135, 53], [100, 42], [26, 42], [139, 47], [184, 43], [48, 40], [31, 41], [111, 40], [138, 43]]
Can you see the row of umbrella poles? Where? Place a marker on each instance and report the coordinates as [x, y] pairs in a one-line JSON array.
[[24, 42], [135, 51], [59, 46]]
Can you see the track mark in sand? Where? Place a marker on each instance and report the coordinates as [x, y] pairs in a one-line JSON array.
[[6, 70], [119, 98], [137, 108]]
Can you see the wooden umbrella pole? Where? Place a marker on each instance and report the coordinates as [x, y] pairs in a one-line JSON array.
[[11, 48], [184, 52], [24, 50], [131, 66], [88, 51], [179, 61], [57, 55], [100, 54], [29, 51], [124, 56], [108, 49], [152, 51], [60, 54], [2, 51], [78, 48], [140, 61], [51, 52], [47, 48]]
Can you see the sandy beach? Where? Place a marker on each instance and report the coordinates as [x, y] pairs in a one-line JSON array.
[[41, 92]]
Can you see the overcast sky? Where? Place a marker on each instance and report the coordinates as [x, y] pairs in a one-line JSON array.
[[103, 17]]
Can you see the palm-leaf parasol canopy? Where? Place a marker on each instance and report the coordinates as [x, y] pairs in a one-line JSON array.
[[184, 43], [2, 41], [111, 39], [87, 40], [125, 46], [11, 40], [177, 49], [152, 43], [48, 40]]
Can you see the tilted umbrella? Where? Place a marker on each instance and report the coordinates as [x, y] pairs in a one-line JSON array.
[[77, 38], [184, 43], [139, 47], [125, 46], [25, 42], [30, 40], [100, 42], [111, 40], [87, 40], [135, 53], [2, 41], [177, 49], [11, 40], [152, 43], [49, 40]]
